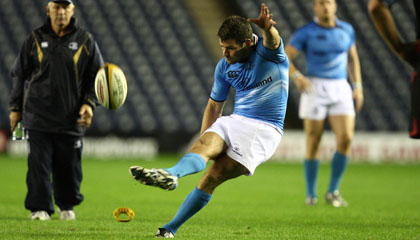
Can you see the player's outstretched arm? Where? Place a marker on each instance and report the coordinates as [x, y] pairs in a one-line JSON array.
[[353, 67], [211, 113], [301, 82], [385, 24], [265, 21]]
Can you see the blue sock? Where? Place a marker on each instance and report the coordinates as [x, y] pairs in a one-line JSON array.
[[193, 203], [311, 167], [338, 165], [189, 164]]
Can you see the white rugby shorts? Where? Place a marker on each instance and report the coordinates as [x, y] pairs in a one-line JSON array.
[[249, 141], [328, 98]]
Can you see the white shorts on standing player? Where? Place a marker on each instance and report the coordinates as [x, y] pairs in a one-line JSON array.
[[329, 97]]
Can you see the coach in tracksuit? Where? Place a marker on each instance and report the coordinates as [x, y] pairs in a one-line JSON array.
[[53, 93]]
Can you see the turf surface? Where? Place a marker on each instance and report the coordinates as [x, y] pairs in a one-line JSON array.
[[384, 203]]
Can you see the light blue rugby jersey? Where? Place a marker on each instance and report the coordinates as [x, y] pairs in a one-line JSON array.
[[326, 49], [261, 84]]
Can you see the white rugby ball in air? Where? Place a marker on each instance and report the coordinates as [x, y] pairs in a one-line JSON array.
[[111, 86]]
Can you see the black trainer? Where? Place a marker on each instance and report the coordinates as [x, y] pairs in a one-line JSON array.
[[163, 233], [154, 177]]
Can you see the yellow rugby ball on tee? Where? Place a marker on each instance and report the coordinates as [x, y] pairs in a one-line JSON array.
[[111, 86]]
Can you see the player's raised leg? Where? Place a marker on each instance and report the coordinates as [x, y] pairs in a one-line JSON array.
[[210, 145], [223, 168], [313, 131], [343, 127]]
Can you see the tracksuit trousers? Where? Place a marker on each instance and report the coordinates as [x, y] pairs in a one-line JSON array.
[[54, 170]]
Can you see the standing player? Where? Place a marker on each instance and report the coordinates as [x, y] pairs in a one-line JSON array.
[[330, 51], [257, 68], [409, 52], [53, 91]]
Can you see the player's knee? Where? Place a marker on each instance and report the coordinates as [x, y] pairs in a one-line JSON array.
[[206, 149], [344, 141], [199, 144], [312, 154], [314, 136], [312, 147]]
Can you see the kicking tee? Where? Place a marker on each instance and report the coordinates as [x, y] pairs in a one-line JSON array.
[[261, 84], [326, 49]]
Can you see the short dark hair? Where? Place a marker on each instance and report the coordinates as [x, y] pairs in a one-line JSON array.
[[236, 28]]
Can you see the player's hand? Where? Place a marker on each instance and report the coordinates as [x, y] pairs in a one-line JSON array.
[[358, 97], [14, 117], [265, 20], [303, 84], [86, 115]]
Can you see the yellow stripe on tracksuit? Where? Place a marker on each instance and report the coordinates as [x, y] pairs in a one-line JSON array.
[[40, 53]]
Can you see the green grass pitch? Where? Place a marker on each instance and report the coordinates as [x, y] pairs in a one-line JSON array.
[[384, 203]]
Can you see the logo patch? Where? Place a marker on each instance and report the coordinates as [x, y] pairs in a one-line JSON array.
[[315, 111], [236, 150], [78, 144], [73, 45], [260, 84], [233, 74], [321, 37], [44, 44]]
